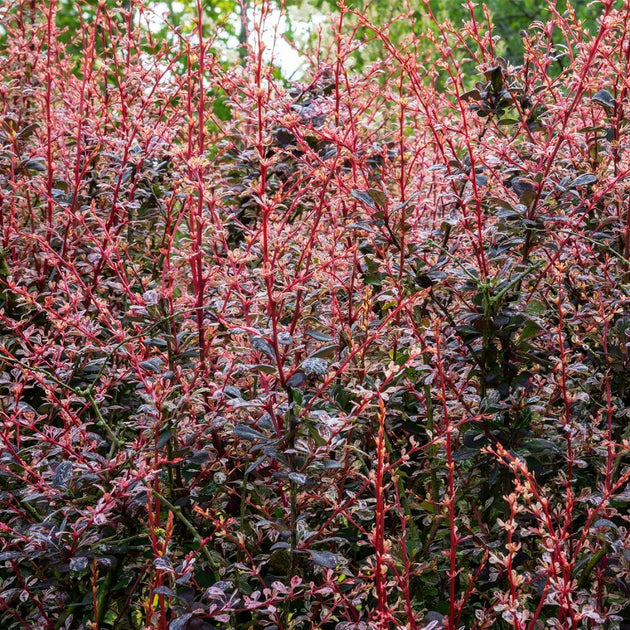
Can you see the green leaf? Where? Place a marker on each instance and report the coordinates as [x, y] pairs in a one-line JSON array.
[[111, 616], [530, 329], [378, 196], [316, 436], [535, 307], [541, 446]]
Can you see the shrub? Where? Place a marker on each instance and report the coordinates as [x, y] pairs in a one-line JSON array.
[[355, 357]]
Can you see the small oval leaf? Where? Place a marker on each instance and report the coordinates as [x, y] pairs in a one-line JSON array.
[[297, 379], [324, 559], [299, 478], [247, 433], [604, 522], [378, 196], [315, 365], [152, 365], [583, 180], [180, 622], [62, 474], [163, 563], [262, 345], [604, 98], [363, 196], [318, 335]]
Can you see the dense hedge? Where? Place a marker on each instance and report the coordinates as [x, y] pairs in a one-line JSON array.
[[350, 352]]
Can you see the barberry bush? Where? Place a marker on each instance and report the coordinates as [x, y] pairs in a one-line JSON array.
[[345, 352]]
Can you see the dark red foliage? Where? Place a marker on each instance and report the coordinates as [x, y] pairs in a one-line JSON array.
[[355, 357]]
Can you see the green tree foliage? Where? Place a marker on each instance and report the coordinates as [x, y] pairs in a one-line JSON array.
[[511, 18], [224, 25], [506, 22]]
